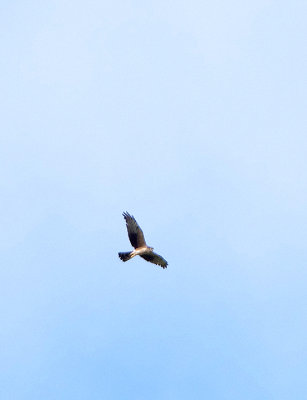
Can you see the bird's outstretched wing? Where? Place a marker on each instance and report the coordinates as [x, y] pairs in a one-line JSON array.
[[155, 259], [135, 233]]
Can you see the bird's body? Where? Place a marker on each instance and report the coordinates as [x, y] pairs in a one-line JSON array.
[[137, 240], [140, 251]]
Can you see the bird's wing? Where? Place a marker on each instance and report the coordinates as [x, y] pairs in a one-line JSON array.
[[135, 233], [155, 258]]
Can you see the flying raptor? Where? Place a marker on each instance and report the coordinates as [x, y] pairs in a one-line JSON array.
[[137, 240]]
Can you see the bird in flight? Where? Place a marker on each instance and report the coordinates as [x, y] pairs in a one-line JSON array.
[[137, 240]]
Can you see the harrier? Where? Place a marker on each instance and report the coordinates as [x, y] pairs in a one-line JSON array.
[[137, 240]]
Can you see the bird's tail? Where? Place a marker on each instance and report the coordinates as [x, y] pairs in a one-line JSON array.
[[125, 256]]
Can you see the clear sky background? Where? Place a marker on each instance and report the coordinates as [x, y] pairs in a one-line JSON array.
[[190, 115]]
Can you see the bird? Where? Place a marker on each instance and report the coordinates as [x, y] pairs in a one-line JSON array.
[[137, 240]]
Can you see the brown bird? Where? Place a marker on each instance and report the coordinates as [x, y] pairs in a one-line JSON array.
[[137, 240]]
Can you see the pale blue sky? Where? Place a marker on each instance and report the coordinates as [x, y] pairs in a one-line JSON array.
[[192, 117]]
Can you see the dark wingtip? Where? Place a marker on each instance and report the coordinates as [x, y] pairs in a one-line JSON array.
[[127, 215], [164, 265]]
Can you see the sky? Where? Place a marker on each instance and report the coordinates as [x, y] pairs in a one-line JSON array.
[[192, 117]]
